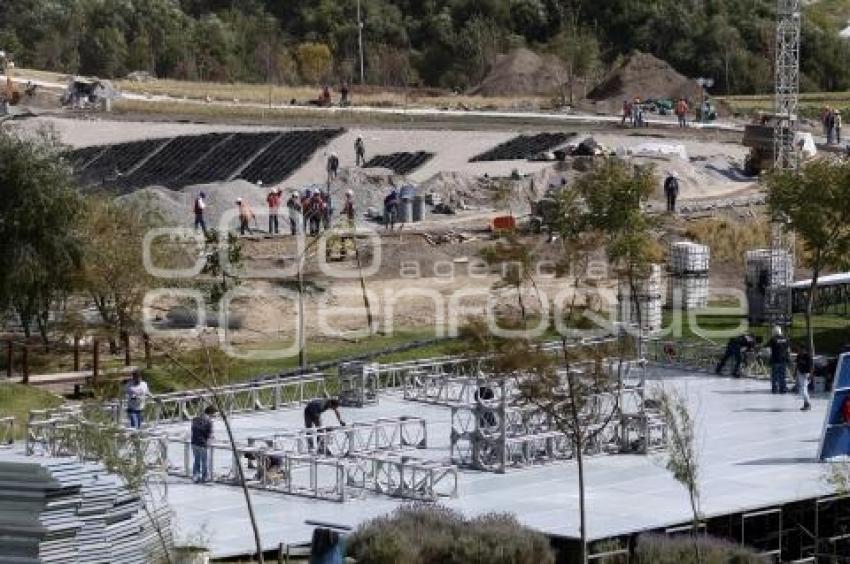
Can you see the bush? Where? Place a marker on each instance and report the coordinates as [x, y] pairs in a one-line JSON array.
[[429, 534], [657, 549]]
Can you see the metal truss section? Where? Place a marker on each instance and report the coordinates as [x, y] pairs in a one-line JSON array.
[[787, 82], [237, 398], [493, 434], [359, 384], [440, 389], [7, 431], [381, 435], [702, 355], [325, 477], [407, 477], [69, 434]]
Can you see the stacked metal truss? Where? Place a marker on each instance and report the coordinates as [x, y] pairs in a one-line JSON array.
[[348, 462], [770, 273], [358, 384], [688, 281], [492, 434], [648, 295]]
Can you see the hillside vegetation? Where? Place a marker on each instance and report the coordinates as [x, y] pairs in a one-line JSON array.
[[434, 43]]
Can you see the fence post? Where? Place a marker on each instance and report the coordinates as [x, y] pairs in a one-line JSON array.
[[95, 359], [25, 364], [10, 357], [148, 360], [126, 338], [76, 353]]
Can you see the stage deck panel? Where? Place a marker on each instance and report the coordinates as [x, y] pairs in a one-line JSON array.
[[756, 450]]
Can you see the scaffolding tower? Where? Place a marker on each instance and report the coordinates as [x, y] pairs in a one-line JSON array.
[[787, 83]]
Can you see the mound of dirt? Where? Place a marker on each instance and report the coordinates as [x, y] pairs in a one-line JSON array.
[[644, 76], [522, 72]]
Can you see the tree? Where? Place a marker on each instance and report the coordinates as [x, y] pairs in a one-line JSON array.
[[517, 262], [314, 62], [814, 201], [682, 456], [113, 272], [39, 244], [579, 49], [612, 196]]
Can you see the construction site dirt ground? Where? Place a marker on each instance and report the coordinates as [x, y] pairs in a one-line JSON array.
[[416, 278]]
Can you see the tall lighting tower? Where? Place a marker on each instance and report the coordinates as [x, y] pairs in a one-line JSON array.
[[787, 83]]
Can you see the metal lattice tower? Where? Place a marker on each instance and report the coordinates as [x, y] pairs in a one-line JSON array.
[[787, 82]]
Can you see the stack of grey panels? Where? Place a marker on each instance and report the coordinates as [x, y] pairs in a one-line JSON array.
[[55, 510]]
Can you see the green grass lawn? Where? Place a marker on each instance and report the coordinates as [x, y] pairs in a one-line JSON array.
[[831, 331], [17, 400]]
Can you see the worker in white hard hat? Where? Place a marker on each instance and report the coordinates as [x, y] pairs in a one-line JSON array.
[[779, 359], [246, 215], [360, 151]]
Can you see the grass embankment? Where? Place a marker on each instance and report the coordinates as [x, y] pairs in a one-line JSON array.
[[811, 103], [166, 377], [246, 93], [17, 400]]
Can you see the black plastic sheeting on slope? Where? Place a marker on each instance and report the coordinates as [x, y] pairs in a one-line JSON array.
[[286, 155], [523, 147], [172, 161], [225, 160], [400, 163], [115, 160], [175, 162]]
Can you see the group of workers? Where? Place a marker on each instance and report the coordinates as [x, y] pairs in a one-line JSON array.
[[634, 110], [780, 361], [311, 210], [201, 439]]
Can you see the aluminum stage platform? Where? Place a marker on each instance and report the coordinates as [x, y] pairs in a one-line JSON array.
[[757, 450]]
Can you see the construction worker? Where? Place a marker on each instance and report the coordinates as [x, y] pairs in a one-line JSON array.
[[327, 209], [316, 211], [333, 167], [137, 392], [735, 352], [391, 203], [200, 206], [836, 125], [294, 207], [779, 359], [313, 416], [682, 112], [627, 112], [348, 207], [360, 151], [201, 431], [246, 215], [671, 191], [805, 367], [343, 95], [273, 200]]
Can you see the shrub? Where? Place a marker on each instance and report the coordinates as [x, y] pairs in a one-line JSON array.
[[431, 534], [657, 549]]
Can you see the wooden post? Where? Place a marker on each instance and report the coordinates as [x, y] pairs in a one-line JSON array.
[[10, 357], [76, 353], [25, 364], [126, 338], [148, 359], [95, 359]]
